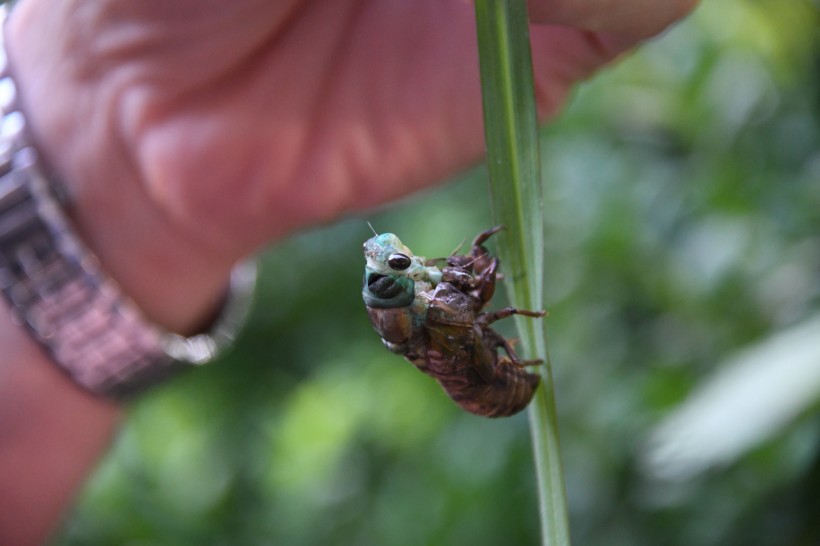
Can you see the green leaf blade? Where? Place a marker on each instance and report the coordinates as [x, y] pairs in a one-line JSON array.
[[513, 159]]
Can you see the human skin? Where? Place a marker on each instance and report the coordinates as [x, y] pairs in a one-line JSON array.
[[191, 133]]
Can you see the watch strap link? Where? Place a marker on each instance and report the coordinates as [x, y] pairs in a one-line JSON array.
[[59, 295]]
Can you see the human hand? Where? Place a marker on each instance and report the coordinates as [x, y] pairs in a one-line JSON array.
[[190, 133]]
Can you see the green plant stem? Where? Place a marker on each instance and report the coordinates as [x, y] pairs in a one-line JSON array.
[[511, 128]]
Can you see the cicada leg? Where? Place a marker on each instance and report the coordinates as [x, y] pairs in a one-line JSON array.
[[486, 282], [509, 347], [467, 261], [479, 254], [485, 319], [498, 341], [489, 318], [484, 235]]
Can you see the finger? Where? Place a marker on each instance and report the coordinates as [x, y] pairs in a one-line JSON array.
[[563, 56], [632, 19]]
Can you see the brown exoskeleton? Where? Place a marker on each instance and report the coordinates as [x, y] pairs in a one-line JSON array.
[[433, 317]]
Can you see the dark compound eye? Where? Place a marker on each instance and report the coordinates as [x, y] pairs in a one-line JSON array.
[[399, 262]]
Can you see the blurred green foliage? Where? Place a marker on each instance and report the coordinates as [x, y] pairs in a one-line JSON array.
[[683, 201]]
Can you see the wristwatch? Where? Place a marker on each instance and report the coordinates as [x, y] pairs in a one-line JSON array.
[[57, 290]]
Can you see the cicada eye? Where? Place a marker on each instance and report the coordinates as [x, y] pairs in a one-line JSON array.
[[399, 262]]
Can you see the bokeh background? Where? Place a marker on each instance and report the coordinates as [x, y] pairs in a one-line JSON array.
[[683, 200]]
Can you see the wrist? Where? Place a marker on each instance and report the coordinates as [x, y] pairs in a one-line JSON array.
[[103, 310], [51, 435], [175, 278]]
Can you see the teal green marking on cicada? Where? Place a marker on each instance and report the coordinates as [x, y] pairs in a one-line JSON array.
[[434, 318], [393, 274]]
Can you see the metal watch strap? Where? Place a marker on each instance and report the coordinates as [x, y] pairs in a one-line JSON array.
[[57, 290]]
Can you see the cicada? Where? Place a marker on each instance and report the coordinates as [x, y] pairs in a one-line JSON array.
[[434, 317]]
